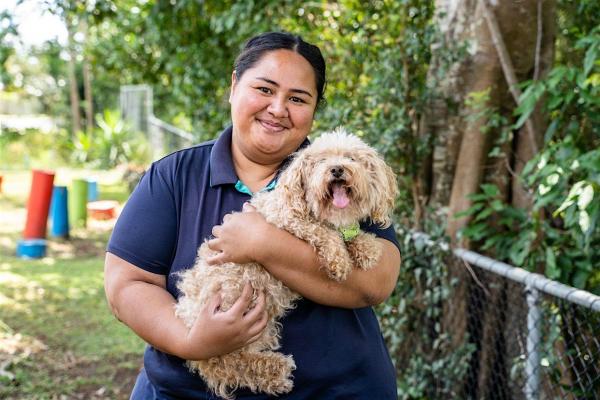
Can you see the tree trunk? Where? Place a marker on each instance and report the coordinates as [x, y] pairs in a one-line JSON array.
[[74, 90], [87, 88], [460, 162]]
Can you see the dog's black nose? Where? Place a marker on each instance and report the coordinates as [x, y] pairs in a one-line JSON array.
[[337, 171]]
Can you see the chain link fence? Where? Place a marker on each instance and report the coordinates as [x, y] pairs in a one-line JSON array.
[[533, 338], [498, 332], [136, 104]]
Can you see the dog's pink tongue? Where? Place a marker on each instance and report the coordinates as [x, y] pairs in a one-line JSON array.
[[340, 198]]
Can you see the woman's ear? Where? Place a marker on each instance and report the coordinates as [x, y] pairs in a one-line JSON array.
[[233, 82]]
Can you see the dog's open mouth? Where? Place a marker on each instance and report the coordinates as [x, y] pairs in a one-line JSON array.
[[340, 193]]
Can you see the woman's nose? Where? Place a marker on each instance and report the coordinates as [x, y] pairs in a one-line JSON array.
[[278, 108]]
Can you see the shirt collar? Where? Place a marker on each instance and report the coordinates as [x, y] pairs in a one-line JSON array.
[[222, 170], [221, 163]]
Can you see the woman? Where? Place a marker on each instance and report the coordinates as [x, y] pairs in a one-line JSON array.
[[188, 196]]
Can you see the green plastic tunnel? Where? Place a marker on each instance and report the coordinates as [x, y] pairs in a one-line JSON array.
[[78, 203]]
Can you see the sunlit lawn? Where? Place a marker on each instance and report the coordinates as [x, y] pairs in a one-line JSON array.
[[58, 339]]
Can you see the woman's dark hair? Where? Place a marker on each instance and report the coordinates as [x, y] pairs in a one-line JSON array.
[[256, 47]]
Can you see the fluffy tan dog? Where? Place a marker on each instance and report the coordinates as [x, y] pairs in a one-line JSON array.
[[327, 188]]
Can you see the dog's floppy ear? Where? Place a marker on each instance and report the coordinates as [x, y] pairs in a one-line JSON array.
[[384, 188], [292, 186]]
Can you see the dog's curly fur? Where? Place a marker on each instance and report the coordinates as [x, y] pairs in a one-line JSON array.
[[303, 204]]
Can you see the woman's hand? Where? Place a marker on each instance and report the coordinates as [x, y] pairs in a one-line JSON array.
[[239, 237], [217, 332]]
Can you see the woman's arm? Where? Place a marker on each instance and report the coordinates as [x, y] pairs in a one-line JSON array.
[[140, 300], [245, 237]]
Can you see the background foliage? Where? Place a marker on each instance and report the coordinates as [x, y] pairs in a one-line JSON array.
[[561, 231]]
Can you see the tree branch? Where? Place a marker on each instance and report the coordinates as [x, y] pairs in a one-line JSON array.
[[507, 66], [538, 42]]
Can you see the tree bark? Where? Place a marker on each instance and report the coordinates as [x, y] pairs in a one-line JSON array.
[[73, 86], [87, 89], [544, 59]]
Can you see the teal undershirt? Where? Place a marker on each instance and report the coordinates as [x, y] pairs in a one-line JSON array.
[[242, 188]]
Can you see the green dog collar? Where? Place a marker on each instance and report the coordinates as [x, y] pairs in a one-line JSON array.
[[350, 232]]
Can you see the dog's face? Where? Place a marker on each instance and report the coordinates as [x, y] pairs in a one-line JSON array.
[[341, 180]]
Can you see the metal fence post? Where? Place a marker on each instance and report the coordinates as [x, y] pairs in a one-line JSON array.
[[532, 366]]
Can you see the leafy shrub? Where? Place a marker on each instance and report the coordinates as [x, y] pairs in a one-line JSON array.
[[428, 365], [111, 144], [33, 148]]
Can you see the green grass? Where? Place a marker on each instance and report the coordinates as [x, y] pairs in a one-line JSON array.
[[58, 339], [58, 309]]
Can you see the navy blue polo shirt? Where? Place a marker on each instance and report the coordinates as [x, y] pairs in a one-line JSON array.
[[339, 353]]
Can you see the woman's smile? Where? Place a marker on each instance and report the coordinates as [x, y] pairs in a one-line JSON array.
[[271, 126]]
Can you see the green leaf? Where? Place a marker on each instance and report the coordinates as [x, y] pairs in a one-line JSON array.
[[584, 265], [484, 214], [527, 102], [497, 205], [551, 130], [519, 250], [552, 271], [580, 279], [490, 190], [469, 211], [584, 221], [590, 58], [585, 197], [571, 197], [476, 231], [556, 76], [531, 164]]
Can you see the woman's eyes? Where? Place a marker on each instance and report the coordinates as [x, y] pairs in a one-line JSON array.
[[297, 99], [266, 90]]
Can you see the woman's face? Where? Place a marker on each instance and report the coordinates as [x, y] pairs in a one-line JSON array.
[[272, 106]]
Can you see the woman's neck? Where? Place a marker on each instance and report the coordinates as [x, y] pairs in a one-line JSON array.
[[253, 174]]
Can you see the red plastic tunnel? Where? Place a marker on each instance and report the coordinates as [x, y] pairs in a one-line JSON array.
[[38, 204]]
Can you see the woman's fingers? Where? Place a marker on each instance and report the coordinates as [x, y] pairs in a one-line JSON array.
[[258, 326], [255, 337], [241, 305], [213, 244], [216, 230], [217, 259], [215, 303], [256, 311], [247, 207]]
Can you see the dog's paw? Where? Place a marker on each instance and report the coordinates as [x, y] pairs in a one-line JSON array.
[[337, 272], [280, 376], [284, 386], [336, 262], [365, 251], [268, 372]]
